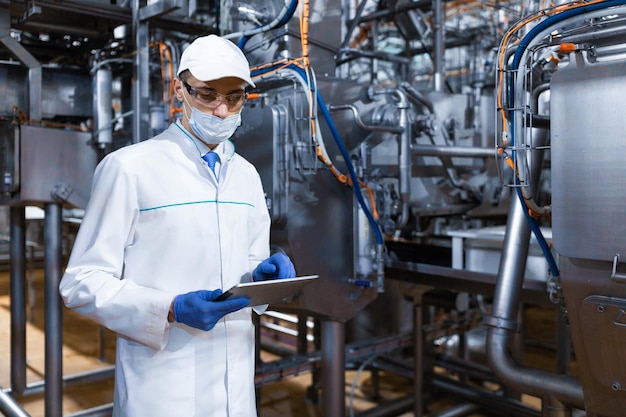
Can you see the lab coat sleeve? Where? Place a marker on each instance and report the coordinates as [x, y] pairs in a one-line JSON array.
[[259, 230], [93, 283], [259, 237]]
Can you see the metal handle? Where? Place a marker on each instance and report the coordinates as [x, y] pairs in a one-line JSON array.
[[615, 276]]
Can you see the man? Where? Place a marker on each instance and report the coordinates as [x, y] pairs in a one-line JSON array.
[[166, 229]]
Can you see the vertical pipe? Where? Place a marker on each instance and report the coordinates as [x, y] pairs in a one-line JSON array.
[[141, 75], [554, 408], [512, 264], [302, 342], [418, 357], [563, 344], [103, 106], [53, 314], [438, 44], [18, 300], [333, 369], [404, 157], [502, 320]]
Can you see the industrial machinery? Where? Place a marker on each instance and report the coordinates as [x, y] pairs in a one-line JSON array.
[[440, 164]]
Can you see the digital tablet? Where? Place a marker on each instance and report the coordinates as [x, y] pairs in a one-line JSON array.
[[268, 292]]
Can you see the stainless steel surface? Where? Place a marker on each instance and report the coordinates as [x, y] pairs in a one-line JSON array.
[[597, 332], [373, 132], [54, 165], [588, 175]]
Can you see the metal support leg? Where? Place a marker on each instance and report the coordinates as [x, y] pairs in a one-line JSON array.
[[563, 344], [333, 369], [18, 300], [53, 313], [302, 342], [418, 357]]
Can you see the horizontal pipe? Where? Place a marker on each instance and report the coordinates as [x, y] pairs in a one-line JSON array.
[[104, 410], [432, 150], [460, 410], [77, 378], [389, 409]]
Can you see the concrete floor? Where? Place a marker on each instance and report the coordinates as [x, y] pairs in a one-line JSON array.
[[285, 398]]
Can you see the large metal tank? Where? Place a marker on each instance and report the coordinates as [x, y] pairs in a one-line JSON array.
[[589, 200]]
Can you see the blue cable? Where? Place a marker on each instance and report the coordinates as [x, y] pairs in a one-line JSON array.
[[516, 62]]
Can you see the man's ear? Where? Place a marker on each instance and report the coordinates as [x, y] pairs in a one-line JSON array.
[[177, 89]]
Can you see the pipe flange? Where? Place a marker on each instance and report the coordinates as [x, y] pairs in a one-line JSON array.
[[501, 323]]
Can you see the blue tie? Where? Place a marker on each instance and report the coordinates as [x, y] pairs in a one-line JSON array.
[[211, 158]]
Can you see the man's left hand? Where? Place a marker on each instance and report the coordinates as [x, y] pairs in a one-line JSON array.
[[277, 266]]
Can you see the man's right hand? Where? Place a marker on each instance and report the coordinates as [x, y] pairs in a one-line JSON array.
[[197, 308]]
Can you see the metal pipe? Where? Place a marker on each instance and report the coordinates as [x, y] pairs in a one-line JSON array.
[[397, 407], [333, 366], [460, 151], [141, 75], [53, 325], [555, 408], [459, 411], [404, 158], [418, 98], [9, 407], [597, 34], [104, 410], [77, 378], [360, 123], [506, 305], [439, 44], [495, 402], [103, 106], [418, 352], [18, 299]]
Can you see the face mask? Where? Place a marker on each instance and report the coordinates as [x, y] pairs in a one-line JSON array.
[[212, 129]]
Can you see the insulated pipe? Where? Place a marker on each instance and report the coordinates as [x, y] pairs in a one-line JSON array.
[[53, 325], [333, 366], [18, 300]]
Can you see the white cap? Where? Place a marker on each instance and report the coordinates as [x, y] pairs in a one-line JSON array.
[[212, 57]]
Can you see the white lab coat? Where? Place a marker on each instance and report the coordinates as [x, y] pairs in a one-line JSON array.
[[158, 224]]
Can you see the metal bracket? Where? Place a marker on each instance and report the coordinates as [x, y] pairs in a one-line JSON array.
[[616, 276]]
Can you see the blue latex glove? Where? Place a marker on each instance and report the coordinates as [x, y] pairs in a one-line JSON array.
[[197, 308], [276, 266]]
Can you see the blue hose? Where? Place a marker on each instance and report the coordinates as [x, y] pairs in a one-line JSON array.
[[344, 152], [288, 15]]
